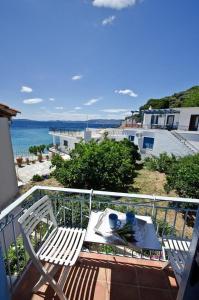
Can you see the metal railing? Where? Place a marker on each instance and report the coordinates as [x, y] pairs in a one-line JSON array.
[[72, 207]]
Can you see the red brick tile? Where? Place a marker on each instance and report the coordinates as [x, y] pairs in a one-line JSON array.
[[123, 292], [124, 274], [101, 291], [152, 277], [154, 294]]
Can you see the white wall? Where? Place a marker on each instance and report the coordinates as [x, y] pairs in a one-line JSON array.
[[162, 120], [71, 143], [8, 179], [185, 115]]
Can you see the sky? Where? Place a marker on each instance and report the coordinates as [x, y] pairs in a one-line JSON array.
[[79, 59]]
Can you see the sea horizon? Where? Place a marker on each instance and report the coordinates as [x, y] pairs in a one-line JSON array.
[[26, 133]]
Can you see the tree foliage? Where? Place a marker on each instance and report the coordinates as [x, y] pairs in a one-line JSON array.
[[162, 163], [183, 176], [108, 165], [38, 149], [188, 98]]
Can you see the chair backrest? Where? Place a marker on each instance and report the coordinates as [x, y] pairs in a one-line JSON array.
[[41, 211]]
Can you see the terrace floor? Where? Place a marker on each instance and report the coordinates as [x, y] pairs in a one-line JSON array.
[[105, 277]]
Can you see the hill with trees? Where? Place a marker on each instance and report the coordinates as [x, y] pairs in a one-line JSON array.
[[188, 98]]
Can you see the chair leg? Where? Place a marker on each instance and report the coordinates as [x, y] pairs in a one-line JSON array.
[[46, 277], [52, 270]]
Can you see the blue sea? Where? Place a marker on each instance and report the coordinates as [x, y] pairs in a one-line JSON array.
[[26, 133]]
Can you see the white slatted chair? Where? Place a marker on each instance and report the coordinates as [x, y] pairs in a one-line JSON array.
[[61, 247], [176, 250]]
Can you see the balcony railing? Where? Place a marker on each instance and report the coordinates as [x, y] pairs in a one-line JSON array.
[[72, 207]]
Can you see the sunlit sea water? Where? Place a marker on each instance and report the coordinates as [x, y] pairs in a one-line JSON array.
[[27, 133]]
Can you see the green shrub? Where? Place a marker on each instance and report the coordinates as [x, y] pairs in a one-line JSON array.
[[164, 228], [162, 163], [107, 164], [183, 176], [37, 178]]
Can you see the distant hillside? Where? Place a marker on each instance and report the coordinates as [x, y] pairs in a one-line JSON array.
[[188, 98]]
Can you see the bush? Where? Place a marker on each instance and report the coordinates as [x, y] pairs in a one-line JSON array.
[[183, 176], [162, 163], [164, 228], [107, 164], [37, 178], [57, 160]]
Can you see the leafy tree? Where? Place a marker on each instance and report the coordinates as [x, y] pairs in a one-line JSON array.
[[107, 164], [33, 150], [183, 176], [37, 149]]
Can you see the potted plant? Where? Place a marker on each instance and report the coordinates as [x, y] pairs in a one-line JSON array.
[[19, 161], [40, 157]]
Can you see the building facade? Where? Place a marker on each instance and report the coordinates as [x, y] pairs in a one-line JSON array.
[[184, 118], [8, 178]]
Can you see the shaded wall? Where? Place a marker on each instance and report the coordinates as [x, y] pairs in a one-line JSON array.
[[8, 179]]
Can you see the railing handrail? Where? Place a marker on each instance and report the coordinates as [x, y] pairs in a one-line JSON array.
[[20, 200]]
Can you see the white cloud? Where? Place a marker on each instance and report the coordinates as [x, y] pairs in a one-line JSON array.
[[108, 21], [91, 101], [52, 99], [126, 92], [116, 110], [32, 101], [77, 77], [59, 107], [115, 4], [77, 108], [26, 89]]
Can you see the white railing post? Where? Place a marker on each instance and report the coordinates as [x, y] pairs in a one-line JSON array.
[[90, 201], [153, 209]]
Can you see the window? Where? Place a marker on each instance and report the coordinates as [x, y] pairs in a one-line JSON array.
[[148, 143], [154, 119], [131, 138], [65, 143]]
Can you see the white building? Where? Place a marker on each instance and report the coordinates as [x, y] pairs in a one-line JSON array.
[[149, 141], [8, 178], [184, 118]]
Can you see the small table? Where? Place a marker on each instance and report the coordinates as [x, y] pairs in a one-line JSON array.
[[149, 240]]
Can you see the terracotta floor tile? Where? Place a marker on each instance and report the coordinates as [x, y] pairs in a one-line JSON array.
[[101, 291], [110, 278], [171, 278], [123, 292], [124, 274], [154, 294], [174, 294], [104, 274], [152, 277]]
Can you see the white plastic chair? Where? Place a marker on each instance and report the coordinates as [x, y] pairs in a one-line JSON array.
[[177, 251], [61, 247]]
